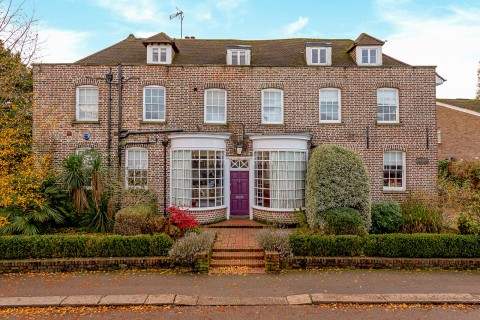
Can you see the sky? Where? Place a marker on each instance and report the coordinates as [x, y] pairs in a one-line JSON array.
[[444, 33]]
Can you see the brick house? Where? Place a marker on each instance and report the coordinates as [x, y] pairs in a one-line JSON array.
[[243, 117], [458, 123]]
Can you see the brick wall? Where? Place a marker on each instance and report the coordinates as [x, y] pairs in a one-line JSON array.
[[459, 132], [55, 129]]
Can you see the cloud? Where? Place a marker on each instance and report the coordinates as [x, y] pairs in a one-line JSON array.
[[139, 11], [294, 27], [443, 36], [60, 45]]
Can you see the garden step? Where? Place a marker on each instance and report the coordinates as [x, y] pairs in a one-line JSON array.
[[237, 255], [238, 263], [236, 249], [237, 270]]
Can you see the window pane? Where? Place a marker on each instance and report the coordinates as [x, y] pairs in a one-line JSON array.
[[323, 56], [215, 105], [154, 103], [387, 105], [393, 170], [329, 104], [314, 55], [136, 171], [364, 55], [87, 105], [373, 56]]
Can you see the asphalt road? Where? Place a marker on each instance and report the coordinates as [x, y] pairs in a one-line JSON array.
[[290, 283], [337, 312]]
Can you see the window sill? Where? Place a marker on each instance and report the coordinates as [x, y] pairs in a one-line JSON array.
[[215, 124], [85, 122], [394, 191], [153, 122], [332, 123], [380, 124], [273, 124]]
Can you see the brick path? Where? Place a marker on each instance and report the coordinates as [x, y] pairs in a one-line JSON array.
[[236, 251]]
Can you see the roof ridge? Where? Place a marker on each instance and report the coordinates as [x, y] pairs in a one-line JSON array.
[[105, 49], [396, 59]]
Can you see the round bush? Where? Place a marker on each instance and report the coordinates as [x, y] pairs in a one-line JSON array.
[[336, 177], [386, 217], [131, 221], [340, 221]]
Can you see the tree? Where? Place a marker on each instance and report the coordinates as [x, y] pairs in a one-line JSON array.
[[478, 83], [18, 29], [336, 178]]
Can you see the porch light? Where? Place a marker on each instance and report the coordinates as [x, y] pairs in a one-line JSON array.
[[239, 149]]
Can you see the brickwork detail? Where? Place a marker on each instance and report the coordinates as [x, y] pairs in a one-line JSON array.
[[209, 216], [273, 216]]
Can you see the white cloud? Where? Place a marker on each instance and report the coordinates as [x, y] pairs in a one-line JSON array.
[[58, 45], [294, 27], [133, 11], [445, 37]]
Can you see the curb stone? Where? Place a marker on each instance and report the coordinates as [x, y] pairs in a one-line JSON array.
[[186, 300]]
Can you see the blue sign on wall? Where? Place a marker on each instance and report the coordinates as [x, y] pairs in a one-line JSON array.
[[86, 136]]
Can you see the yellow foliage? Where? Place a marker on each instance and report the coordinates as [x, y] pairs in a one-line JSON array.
[[3, 222]]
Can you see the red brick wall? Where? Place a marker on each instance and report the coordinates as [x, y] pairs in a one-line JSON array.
[[459, 134], [54, 113]]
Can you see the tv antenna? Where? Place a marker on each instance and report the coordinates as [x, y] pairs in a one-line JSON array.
[[179, 15]]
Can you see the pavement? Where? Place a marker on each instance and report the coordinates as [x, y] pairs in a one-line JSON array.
[[299, 288]]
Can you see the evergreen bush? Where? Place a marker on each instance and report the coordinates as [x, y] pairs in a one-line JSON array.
[[336, 177], [342, 221], [386, 217]]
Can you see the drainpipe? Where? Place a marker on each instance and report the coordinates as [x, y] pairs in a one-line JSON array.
[[109, 77], [120, 89]]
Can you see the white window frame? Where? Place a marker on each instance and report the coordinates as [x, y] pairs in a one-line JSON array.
[[328, 56], [164, 104], [159, 47], [238, 51], [397, 114], [281, 106], [339, 95], [77, 108], [205, 106], [127, 186], [359, 52], [404, 180]]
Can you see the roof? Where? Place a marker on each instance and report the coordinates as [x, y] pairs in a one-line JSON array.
[[469, 104], [159, 38], [367, 40], [281, 52]]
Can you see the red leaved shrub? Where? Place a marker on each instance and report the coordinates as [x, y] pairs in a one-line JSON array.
[[181, 218]]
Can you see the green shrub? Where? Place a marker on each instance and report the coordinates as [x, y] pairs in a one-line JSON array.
[[421, 215], [386, 217], [422, 246], [325, 246], [336, 177], [275, 241], [342, 221], [131, 221], [184, 249], [468, 224], [387, 245], [83, 246]]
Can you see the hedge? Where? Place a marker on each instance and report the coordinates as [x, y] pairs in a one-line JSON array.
[[83, 246], [387, 245]]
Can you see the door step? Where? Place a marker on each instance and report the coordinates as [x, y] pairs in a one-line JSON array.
[[237, 261], [238, 255]]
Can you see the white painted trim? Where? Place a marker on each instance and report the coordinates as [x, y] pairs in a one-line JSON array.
[[251, 177], [77, 110], [247, 57], [328, 56], [474, 113], [281, 106], [358, 51], [227, 191], [339, 106], [404, 171], [164, 103], [397, 120], [159, 46], [276, 209], [205, 106], [207, 208], [126, 169]]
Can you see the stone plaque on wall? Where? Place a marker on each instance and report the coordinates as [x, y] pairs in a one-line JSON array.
[[422, 161]]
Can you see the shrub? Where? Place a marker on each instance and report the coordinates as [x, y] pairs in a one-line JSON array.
[[386, 217], [325, 246], [341, 221], [182, 219], [387, 245], [421, 215], [468, 224], [83, 246], [300, 219], [185, 249], [336, 177], [278, 241], [131, 221]]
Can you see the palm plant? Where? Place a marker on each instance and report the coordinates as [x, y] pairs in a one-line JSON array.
[[74, 177]]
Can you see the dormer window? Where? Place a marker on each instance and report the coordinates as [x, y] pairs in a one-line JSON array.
[[161, 54], [319, 54], [369, 56], [238, 55]]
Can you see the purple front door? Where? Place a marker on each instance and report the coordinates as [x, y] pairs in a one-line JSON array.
[[239, 203]]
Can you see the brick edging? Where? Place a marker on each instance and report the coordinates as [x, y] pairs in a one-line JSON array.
[[273, 263], [83, 264]]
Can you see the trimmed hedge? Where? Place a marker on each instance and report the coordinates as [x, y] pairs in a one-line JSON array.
[[387, 245], [83, 246]]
